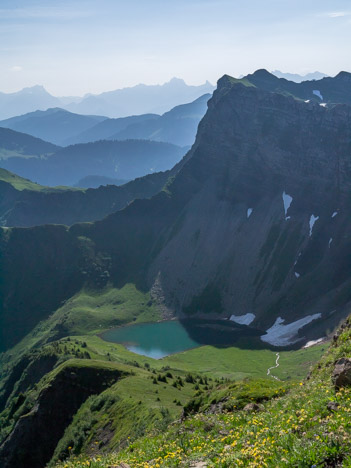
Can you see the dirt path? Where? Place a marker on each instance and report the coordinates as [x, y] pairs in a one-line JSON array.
[[274, 367]]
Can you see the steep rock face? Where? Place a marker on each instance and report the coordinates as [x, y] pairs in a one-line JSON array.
[[256, 220], [259, 147], [68, 389]]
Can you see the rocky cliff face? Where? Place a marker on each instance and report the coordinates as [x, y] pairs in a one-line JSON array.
[[268, 226], [255, 223]]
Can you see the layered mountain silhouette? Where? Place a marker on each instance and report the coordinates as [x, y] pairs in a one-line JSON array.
[[299, 78], [119, 159], [54, 125], [140, 99], [58, 126], [110, 128], [256, 220], [26, 100], [178, 126]]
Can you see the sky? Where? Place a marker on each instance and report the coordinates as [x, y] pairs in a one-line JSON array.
[[73, 47]]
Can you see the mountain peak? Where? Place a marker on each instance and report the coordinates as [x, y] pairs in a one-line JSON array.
[[344, 76], [263, 73], [36, 89], [175, 82]]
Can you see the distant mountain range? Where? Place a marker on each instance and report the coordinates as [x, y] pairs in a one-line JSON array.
[[178, 126], [54, 125], [51, 165], [61, 127], [140, 99], [102, 151], [108, 127], [299, 78], [26, 100]]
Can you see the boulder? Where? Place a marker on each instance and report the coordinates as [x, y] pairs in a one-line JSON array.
[[122, 465], [333, 406], [342, 373], [252, 407]]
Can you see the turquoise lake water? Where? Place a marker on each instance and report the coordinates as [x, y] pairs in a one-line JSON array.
[[155, 340], [160, 339]]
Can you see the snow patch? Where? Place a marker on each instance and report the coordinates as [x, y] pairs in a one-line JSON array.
[[313, 219], [287, 199], [330, 241], [323, 104], [334, 214], [299, 255], [249, 211], [312, 342], [243, 319], [284, 335], [317, 93], [297, 274], [307, 101]]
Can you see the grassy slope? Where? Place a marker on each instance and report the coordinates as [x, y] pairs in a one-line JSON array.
[[124, 412], [295, 429], [88, 312], [228, 363], [236, 363], [17, 182], [20, 183]]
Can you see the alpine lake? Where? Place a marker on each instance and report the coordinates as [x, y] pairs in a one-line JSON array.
[[160, 339]]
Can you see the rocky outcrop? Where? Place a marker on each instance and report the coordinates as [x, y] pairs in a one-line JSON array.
[[253, 408], [36, 434], [333, 406], [342, 373]]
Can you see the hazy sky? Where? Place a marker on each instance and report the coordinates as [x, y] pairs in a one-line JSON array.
[[73, 46]]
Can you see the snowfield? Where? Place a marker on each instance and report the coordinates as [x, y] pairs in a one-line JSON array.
[[284, 335], [243, 319]]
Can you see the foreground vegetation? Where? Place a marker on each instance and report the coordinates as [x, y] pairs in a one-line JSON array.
[[293, 426]]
